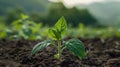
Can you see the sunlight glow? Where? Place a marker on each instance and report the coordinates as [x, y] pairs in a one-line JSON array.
[[71, 3]]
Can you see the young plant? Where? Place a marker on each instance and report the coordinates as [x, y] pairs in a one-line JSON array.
[[23, 28], [56, 33]]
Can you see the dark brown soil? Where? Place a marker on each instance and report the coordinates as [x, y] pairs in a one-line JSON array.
[[100, 53]]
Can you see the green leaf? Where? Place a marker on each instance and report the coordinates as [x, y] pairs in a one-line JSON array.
[[36, 27], [61, 25], [24, 16], [40, 46], [27, 31], [59, 28], [53, 33], [76, 47]]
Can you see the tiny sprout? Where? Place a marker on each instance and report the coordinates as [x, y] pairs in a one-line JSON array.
[[73, 45]]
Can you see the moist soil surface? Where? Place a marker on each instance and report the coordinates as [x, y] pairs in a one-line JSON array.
[[100, 53]]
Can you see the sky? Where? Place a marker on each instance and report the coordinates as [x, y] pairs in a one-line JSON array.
[[72, 3]]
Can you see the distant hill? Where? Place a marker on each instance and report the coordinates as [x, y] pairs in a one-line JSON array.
[[107, 13], [26, 5]]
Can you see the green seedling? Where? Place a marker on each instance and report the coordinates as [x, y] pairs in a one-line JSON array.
[[23, 28], [56, 33]]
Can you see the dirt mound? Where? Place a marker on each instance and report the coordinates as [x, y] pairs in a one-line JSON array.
[[100, 53]]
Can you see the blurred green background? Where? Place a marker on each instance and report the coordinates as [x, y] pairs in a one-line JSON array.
[[30, 19]]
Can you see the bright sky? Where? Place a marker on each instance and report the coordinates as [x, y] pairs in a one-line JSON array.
[[71, 3]]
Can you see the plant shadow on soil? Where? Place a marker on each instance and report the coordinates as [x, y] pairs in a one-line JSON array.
[[100, 53]]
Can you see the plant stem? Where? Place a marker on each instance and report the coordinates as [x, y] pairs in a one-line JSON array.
[[59, 49]]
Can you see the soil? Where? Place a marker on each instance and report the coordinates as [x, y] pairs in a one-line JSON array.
[[100, 53]]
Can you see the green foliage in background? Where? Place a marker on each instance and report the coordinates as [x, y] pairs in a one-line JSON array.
[[23, 29], [13, 15]]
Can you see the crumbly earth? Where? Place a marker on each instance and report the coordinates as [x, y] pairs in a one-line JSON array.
[[100, 53]]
